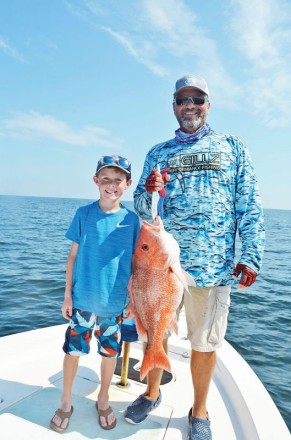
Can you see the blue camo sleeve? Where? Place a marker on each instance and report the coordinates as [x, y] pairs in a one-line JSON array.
[[249, 212]]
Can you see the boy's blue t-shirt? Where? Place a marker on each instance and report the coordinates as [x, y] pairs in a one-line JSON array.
[[103, 264]]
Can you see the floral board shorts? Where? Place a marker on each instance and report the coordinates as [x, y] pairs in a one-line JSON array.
[[79, 334]]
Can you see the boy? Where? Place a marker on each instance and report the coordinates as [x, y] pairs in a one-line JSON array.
[[104, 236]]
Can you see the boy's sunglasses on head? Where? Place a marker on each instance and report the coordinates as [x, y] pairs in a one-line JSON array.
[[121, 161], [196, 100]]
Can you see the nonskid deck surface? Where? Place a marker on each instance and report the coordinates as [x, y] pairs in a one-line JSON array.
[[31, 387], [31, 382]]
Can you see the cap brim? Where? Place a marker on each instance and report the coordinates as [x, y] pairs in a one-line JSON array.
[[112, 165], [190, 87]]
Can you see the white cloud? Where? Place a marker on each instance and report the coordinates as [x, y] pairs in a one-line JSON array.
[[171, 38], [141, 53], [35, 126], [10, 51], [166, 37], [178, 31], [262, 33]]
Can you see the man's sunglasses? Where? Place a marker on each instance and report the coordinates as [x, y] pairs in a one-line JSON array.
[[196, 100]]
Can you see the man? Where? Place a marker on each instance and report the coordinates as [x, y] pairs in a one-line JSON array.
[[211, 193]]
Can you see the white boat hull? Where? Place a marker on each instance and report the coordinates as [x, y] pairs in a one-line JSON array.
[[31, 380]]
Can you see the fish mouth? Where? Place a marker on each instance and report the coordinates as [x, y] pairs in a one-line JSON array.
[[156, 226]]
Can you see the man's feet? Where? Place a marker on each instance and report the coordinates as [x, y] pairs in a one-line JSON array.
[[199, 429], [107, 419], [60, 420], [138, 411]]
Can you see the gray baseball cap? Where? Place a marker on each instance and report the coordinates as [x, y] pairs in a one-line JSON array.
[[114, 161], [196, 82]]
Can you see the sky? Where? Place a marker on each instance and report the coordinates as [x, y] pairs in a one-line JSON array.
[[84, 78]]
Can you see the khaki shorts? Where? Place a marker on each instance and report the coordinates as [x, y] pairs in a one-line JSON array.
[[206, 310]]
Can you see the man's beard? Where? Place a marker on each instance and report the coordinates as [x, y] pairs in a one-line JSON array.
[[191, 125]]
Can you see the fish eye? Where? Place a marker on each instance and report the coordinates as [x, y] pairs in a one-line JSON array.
[[145, 247]]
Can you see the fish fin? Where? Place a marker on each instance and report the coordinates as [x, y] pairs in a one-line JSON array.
[[154, 359], [129, 287], [189, 279], [142, 332], [182, 276], [173, 326]]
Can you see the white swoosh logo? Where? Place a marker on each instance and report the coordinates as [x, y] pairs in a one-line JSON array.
[[121, 226]]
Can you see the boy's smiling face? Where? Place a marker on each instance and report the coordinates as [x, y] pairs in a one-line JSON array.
[[112, 183]]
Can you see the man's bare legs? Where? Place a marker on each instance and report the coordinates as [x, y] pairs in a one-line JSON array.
[[154, 378], [202, 369], [138, 411]]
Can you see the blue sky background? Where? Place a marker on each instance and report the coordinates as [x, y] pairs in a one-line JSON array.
[[83, 78]]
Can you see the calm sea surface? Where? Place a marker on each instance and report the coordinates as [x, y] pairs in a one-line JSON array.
[[33, 254]]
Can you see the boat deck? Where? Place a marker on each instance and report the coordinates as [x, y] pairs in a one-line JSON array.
[[31, 380]]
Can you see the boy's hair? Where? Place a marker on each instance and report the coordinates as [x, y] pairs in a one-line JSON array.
[[116, 162]]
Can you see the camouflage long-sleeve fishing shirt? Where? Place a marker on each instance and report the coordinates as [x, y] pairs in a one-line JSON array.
[[212, 194]]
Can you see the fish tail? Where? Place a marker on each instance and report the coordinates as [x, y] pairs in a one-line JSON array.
[[154, 359]]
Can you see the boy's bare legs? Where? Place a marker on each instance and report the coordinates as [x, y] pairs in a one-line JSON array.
[[202, 369], [107, 369], [70, 367]]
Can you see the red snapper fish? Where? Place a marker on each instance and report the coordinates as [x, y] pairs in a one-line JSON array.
[[156, 289]]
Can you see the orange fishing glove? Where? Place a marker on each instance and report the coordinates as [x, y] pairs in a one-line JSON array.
[[248, 276], [156, 181]]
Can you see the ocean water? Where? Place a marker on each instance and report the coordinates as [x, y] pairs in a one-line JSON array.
[[33, 253]]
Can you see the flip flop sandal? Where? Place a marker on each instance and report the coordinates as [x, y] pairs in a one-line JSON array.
[[62, 415], [105, 413]]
